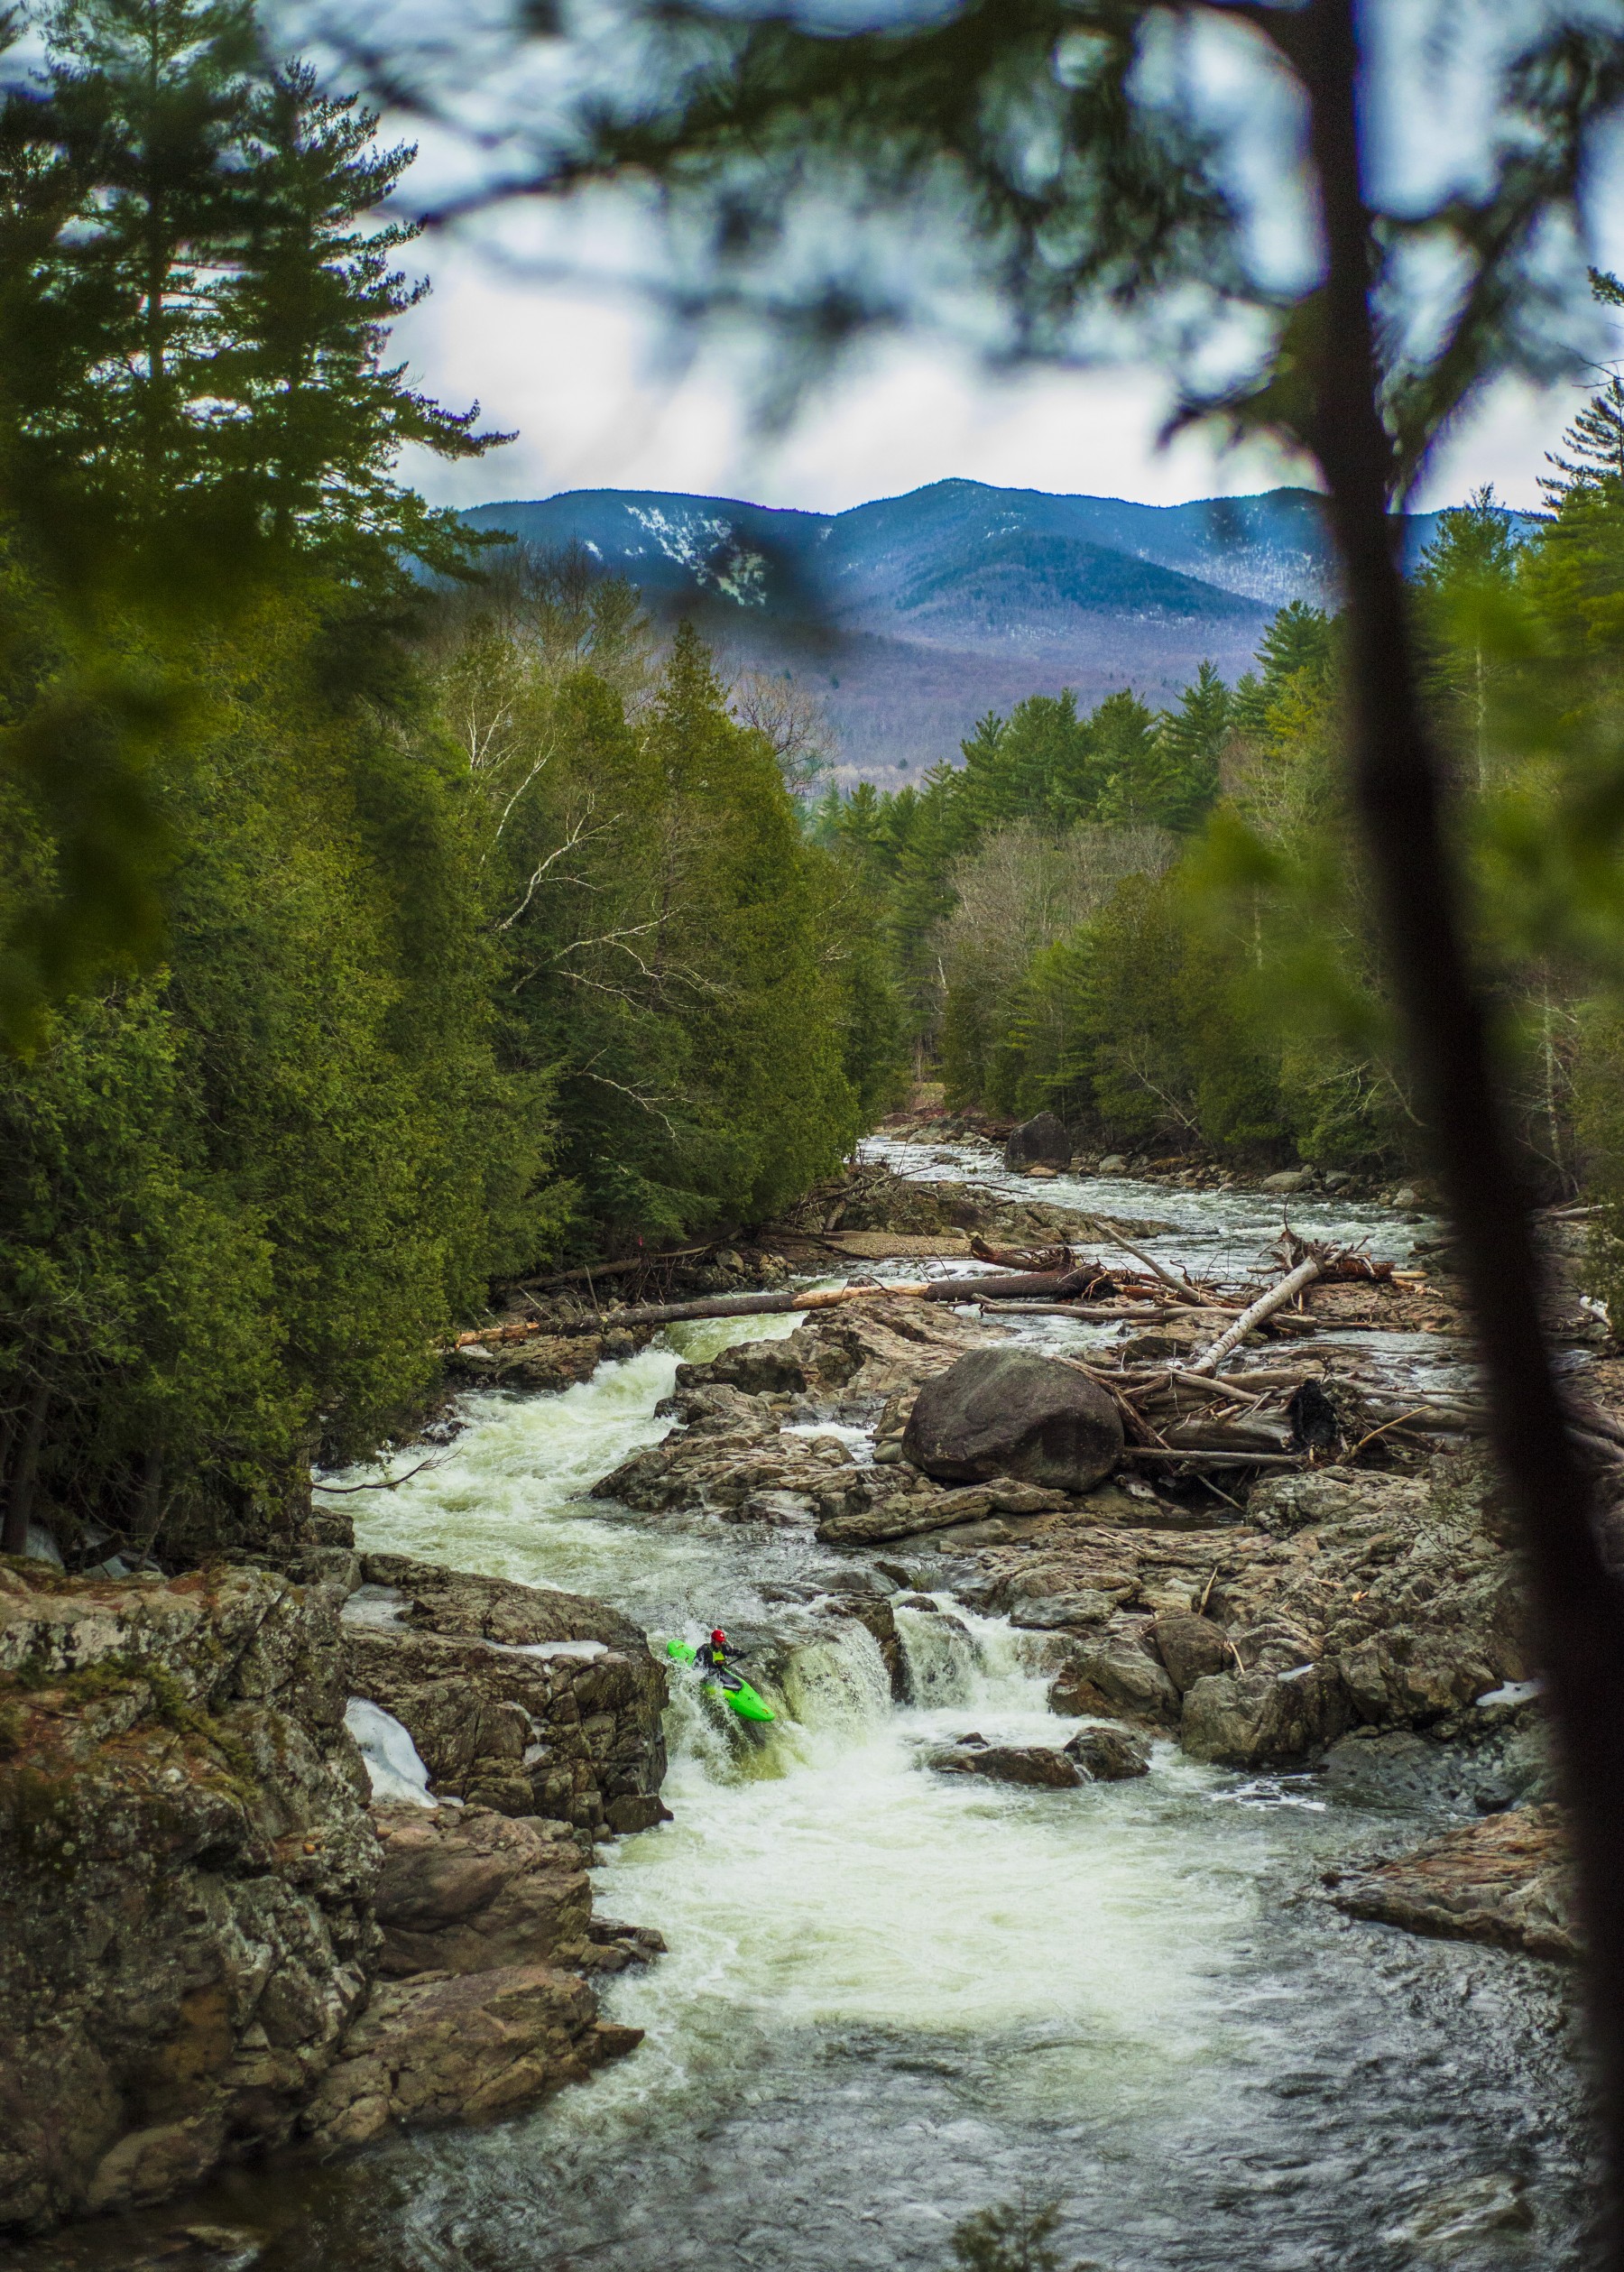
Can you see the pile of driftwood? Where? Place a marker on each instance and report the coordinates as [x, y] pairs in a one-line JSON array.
[[1052, 1282], [1180, 1417]]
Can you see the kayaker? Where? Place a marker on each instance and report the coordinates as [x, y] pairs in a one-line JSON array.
[[717, 1652]]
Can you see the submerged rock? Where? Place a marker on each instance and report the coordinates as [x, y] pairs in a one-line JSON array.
[[1039, 1764], [1464, 1771], [1505, 1881], [1010, 1412]]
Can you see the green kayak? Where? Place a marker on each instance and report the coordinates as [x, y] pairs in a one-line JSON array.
[[733, 1689]]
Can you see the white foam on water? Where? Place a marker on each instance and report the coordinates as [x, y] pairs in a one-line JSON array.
[[510, 1499], [856, 1884], [817, 1871]]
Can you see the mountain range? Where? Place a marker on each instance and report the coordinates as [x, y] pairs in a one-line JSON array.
[[911, 616]]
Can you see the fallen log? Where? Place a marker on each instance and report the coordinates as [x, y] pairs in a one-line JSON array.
[[1022, 1285], [1091, 1313], [1263, 1308], [744, 1305], [1193, 1454], [1015, 1258], [1039, 1284]]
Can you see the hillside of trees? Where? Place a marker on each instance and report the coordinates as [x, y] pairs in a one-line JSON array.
[[1158, 926], [374, 922]]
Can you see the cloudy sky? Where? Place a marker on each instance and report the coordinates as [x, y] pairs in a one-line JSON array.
[[583, 370], [601, 401]]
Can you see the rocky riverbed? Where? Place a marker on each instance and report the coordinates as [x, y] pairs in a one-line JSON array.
[[1182, 1854]]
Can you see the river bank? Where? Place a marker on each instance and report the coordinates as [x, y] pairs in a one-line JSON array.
[[893, 1995]]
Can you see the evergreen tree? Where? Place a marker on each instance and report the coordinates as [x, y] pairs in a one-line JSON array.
[[163, 86], [1595, 439], [317, 416], [1190, 744], [1466, 575], [1297, 645]]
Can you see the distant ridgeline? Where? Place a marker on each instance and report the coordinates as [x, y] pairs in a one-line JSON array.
[[913, 616]]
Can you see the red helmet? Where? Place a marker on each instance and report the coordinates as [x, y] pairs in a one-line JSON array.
[[718, 1638]]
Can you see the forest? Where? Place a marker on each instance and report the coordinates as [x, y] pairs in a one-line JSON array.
[[386, 911], [1159, 925], [376, 919]]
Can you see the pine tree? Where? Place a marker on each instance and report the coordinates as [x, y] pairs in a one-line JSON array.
[[317, 416], [1596, 437], [1470, 564], [1297, 642], [1189, 747], [161, 89]]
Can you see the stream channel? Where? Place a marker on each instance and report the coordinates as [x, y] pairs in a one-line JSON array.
[[894, 1998]]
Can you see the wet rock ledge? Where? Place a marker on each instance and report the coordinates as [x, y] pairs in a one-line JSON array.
[[213, 1945]]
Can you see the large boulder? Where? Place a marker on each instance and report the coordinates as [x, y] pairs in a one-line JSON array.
[[186, 1877], [1118, 1677], [1264, 1719], [528, 1700], [1039, 1142], [1109, 1755], [1190, 1646], [1010, 1412]]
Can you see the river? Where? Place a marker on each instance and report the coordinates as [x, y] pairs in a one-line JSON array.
[[893, 1998]]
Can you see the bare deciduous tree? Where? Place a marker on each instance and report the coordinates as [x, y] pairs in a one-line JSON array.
[[796, 724]]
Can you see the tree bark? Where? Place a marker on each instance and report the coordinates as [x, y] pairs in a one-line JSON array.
[[1263, 1308], [1578, 1606], [19, 1504]]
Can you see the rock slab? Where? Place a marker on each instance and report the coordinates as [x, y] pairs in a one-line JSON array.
[[531, 1701], [450, 2046], [1504, 1880], [465, 1889]]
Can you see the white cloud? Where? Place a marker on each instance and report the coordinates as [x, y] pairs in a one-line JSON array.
[[601, 400]]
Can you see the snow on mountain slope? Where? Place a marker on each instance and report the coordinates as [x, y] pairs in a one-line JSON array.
[[913, 616]]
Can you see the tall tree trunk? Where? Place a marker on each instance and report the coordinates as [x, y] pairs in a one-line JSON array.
[[1578, 1607], [19, 1503]]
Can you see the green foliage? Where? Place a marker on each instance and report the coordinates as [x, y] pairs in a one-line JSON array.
[[678, 957], [1013, 2237], [362, 937], [1136, 1025], [242, 1196], [1122, 769], [1225, 988], [195, 407]]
